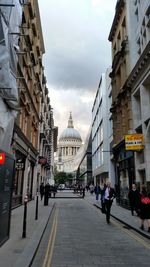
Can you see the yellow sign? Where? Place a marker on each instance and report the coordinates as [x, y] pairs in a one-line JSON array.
[[134, 142]]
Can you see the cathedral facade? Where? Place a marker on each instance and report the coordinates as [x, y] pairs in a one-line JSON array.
[[69, 143]]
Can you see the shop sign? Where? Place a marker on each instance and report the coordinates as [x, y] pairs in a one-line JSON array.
[[134, 142], [19, 165]]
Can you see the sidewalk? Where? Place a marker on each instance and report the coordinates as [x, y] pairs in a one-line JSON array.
[[18, 251], [121, 214]]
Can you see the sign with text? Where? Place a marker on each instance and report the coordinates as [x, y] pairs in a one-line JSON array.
[[134, 142]]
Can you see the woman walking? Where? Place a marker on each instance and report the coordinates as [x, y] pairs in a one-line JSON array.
[[145, 208]]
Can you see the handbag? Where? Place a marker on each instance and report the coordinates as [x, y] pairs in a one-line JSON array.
[[145, 200]]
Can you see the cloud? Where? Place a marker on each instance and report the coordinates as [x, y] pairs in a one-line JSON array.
[[77, 53], [77, 49], [72, 101]]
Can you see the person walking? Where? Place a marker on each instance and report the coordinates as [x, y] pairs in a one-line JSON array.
[[109, 196], [134, 199], [54, 190], [42, 190], [145, 208], [46, 195], [97, 191], [103, 188], [91, 186]]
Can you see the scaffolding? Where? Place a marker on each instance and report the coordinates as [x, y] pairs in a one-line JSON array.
[[10, 21]]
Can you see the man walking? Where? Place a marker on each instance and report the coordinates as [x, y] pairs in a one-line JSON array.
[[42, 190], [134, 199], [109, 196], [97, 191]]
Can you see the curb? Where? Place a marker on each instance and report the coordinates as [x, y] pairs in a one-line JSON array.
[[128, 225], [26, 258]]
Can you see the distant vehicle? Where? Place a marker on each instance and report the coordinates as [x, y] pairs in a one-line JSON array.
[[61, 186]]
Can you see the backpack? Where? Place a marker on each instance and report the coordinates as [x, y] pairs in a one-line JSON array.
[[145, 200]]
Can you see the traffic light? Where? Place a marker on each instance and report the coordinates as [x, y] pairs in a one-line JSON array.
[[2, 158]]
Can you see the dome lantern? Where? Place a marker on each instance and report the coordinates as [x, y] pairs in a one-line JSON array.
[[70, 122], [70, 132]]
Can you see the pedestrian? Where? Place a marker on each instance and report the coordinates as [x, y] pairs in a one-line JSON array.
[[134, 199], [103, 188], [145, 208], [97, 191], [54, 190], [42, 190], [109, 196], [87, 187], [91, 189], [46, 194], [83, 191]]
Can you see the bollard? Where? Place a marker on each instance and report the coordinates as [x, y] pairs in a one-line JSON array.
[[36, 210], [25, 217]]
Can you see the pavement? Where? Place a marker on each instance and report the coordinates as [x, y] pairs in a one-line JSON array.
[[18, 251], [123, 215]]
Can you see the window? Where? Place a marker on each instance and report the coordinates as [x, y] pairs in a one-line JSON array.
[[139, 46], [137, 14], [137, 105], [24, 121], [148, 17], [119, 41]]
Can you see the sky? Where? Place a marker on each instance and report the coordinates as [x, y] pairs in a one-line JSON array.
[[77, 52]]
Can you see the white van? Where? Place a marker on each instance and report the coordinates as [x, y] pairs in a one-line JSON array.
[[61, 186]]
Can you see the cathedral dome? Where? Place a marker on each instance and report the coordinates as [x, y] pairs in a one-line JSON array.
[[70, 132]]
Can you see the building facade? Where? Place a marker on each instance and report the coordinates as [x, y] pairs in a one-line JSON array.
[[34, 131], [111, 166], [138, 81], [83, 162], [100, 138], [69, 143], [129, 36]]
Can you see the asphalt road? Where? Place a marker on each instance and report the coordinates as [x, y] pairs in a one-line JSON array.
[[78, 235]]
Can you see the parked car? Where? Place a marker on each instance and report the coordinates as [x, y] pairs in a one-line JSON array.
[[61, 186]]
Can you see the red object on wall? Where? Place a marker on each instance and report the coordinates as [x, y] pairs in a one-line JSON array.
[[2, 158], [42, 160]]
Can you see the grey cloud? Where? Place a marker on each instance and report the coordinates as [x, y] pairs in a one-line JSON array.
[[77, 49]]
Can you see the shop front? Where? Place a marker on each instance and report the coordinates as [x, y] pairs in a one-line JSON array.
[[6, 180], [125, 173], [18, 179]]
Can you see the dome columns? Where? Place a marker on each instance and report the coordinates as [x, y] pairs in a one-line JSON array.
[[68, 151]]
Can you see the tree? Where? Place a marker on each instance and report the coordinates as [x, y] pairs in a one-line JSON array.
[[60, 177]]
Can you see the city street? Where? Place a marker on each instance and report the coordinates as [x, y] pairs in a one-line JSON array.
[[74, 133], [77, 235]]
